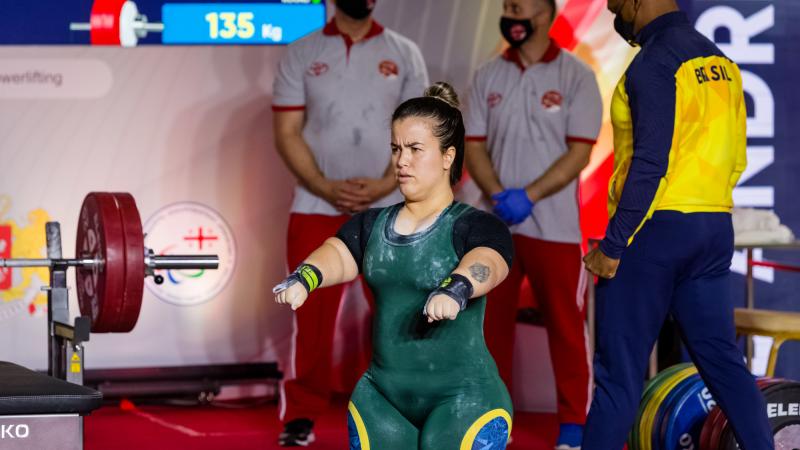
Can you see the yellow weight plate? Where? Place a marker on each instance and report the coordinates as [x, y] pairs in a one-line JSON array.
[[651, 409]]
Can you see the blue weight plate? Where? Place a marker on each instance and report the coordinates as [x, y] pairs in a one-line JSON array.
[[663, 412], [686, 419], [650, 388]]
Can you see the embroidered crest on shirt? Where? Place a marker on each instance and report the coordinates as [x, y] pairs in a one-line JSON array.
[[317, 69], [388, 69], [494, 99], [551, 101]]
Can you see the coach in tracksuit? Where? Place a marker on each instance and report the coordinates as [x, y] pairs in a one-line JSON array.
[[334, 94], [679, 148]]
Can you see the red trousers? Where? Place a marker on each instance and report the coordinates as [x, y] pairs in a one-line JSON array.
[[558, 281], [306, 389]]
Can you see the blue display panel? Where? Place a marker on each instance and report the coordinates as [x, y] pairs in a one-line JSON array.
[[185, 22], [240, 23]]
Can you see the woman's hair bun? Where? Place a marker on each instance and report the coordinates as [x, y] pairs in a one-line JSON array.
[[444, 92]]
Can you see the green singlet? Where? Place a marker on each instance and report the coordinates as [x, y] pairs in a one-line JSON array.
[[429, 386]]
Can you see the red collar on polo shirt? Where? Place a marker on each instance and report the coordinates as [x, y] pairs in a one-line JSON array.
[[512, 54], [332, 30]]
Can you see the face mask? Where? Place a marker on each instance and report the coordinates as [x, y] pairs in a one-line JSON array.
[[624, 28], [516, 31], [357, 9]]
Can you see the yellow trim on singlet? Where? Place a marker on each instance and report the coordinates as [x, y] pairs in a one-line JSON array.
[[472, 432], [360, 427]]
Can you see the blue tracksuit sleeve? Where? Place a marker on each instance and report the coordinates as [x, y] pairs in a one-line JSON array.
[[651, 97]]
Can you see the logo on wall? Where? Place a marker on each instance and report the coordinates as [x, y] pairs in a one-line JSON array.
[[388, 69], [188, 228], [551, 101], [317, 69], [20, 288]]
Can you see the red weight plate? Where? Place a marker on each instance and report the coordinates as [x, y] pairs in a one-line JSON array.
[[765, 382], [720, 427], [722, 434], [104, 22], [708, 428], [134, 262], [100, 237]]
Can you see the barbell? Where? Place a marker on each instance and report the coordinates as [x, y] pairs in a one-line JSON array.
[[111, 262]]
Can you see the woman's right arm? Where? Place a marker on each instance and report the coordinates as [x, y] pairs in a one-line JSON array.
[[330, 264]]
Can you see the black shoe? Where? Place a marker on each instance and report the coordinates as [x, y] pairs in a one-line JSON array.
[[297, 433]]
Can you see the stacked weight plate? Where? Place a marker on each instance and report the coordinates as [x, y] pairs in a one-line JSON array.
[[652, 407], [677, 412], [783, 411], [110, 230]]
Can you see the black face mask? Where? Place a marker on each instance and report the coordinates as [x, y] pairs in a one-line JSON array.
[[357, 9], [516, 31], [625, 28]]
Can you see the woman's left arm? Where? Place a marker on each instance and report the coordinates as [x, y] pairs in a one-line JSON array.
[[479, 271], [485, 268]]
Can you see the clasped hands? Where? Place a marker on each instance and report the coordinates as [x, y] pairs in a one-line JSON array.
[[356, 194], [513, 206]]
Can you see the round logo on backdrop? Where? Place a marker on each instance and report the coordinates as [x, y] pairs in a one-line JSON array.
[[189, 228]]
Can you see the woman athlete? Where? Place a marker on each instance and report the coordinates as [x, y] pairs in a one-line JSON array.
[[431, 384]]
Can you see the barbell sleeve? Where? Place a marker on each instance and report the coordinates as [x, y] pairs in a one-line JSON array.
[[177, 262], [161, 262], [48, 262]]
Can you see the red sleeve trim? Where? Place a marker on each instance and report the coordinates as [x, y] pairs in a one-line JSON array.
[[581, 139], [282, 108], [476, 138]]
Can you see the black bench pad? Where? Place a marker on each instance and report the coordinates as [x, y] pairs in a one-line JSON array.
[[23, 391]]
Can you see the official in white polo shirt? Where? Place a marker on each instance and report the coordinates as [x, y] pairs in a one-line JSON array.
[[334, 95], [534, 114]]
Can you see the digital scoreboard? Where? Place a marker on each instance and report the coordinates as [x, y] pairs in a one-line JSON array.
[[132, 23], [240, 23]]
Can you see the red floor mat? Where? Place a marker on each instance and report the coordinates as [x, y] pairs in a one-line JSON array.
[[208, 427]]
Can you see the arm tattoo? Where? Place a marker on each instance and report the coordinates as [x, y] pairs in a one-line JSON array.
[[479, 272]]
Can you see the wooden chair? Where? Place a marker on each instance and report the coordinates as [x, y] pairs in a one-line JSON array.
[[779, 325]]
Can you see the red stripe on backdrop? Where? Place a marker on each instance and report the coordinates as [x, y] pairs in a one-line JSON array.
[[573, 22], [593, 201]]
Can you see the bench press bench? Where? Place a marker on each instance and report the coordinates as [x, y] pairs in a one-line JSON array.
[[41, 412]]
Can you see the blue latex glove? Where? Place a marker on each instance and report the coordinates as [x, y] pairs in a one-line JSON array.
[[513, 206], [500, 208]]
